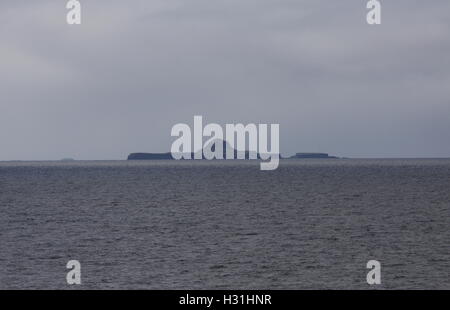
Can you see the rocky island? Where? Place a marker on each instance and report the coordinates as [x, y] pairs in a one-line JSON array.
[[312, 155], [168, 156], [150, 156]]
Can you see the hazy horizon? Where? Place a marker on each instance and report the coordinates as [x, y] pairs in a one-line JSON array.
[[283, 156]]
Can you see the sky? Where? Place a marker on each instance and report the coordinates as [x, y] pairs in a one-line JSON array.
[[118, 82]]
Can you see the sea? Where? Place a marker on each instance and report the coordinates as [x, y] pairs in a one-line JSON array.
[[310, 224]]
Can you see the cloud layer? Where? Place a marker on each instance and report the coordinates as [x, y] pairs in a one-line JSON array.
[[117, 83]]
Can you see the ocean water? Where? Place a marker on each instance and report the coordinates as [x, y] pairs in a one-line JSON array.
[[311, 224]]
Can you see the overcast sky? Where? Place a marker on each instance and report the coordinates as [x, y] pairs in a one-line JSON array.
[[118, 83]]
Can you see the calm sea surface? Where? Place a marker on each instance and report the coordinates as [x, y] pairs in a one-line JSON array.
[[311, 224]]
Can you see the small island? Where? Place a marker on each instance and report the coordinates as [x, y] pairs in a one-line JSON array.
[[168, 156], [150, 156], [312, 155], [67, 159]]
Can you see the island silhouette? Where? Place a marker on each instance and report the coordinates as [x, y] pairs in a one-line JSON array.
[[168, 155]]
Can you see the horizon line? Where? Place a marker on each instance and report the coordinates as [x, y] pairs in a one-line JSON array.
[[284, 158]]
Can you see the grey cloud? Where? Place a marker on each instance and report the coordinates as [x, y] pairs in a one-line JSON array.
[[120, 81]]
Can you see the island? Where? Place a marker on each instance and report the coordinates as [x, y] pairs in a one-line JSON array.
[[67, 159], [168, 156], [312, 155], [150, 156]]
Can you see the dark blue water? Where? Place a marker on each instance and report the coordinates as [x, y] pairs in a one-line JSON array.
[[311, 224]]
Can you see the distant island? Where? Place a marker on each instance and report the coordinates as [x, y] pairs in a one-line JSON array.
[[150, 156], [67, 159], [312, 155], [168, 156]]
